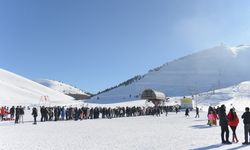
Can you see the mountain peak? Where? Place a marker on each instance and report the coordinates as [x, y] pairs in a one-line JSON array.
[[64, 88], [237, 49], [202, 71], [18, 90]]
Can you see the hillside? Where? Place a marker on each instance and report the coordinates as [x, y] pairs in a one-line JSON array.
[[18, 90], [237, 96], [210, 69], [64, 88]]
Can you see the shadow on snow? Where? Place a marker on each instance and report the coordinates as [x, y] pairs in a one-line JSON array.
[[205, 126], [216, 146]]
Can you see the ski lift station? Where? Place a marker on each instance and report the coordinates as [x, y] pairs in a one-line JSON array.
[[156, 97]]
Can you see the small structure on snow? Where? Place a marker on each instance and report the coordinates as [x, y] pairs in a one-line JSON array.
[[156, 97], [186, 103]]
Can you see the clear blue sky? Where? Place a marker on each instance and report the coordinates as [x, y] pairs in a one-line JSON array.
[[95, 44]]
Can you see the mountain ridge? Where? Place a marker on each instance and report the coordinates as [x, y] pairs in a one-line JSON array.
[[211, 66], [16, 89], [67, 89]]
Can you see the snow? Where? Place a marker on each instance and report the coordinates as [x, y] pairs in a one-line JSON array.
[[17, 90], [220, 68], [174, 131], [237, 96], [203, 71], [239, 48], [61, 87]]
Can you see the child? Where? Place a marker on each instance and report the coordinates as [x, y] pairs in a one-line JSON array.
[[210, 118]]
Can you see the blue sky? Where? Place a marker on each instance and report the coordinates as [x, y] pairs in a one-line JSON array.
[[95, 44]]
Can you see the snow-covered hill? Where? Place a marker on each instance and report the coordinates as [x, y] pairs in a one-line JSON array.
[[214, 68], [17, 90], [237, 96], [64, 88]]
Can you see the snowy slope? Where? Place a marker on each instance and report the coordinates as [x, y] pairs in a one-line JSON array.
[[214, 68], [62, 87], [15, 89], [237, 96], [172, 132]]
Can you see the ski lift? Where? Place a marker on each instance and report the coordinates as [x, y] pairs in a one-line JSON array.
[[156, 97], [44, 101]]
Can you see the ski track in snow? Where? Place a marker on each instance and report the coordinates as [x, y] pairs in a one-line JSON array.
[[136, 133]]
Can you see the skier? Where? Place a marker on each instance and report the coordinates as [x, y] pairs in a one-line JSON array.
[[233, 122], [34, 113], [224, 125], [246, 121]]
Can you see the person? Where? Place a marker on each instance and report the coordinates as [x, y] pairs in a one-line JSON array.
[[215, 117], [224, 125], [210, 117], [233, 122], [34, 114], [12, 112], [187, 112], [197, 113], [2, 112], [17, 114], [166, 109], [176, 109], [246, 121], [21, 111]]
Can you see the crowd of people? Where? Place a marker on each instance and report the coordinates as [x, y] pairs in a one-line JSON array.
[[227, 120], [14, 113], [75, 113]]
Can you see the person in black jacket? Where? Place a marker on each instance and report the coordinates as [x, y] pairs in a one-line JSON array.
[[197, 112], [12, 112], [34, 113], [17, 114], [187, 112], [224, 125], [246, 121]]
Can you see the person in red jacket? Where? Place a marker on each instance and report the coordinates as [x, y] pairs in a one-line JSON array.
[[2, 112], [233, 122]]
